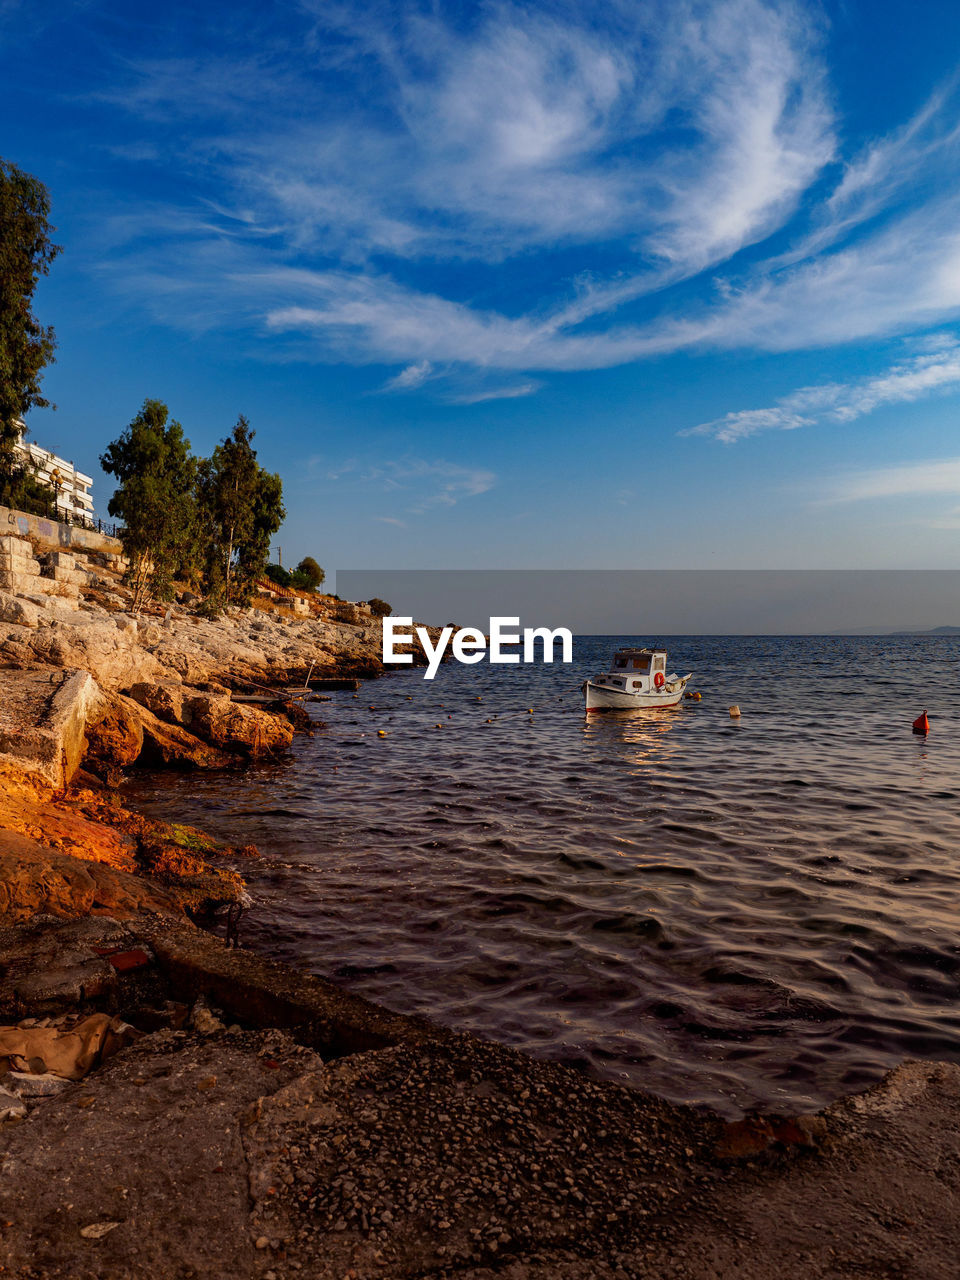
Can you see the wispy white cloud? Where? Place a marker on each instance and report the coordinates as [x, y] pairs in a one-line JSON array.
[[935, 369], [422, 484], [439, 483], [414, 375], [935, 477], [646, 144], [527, 128], [691, 129], [887, 165], [516, 392], [766, 129]]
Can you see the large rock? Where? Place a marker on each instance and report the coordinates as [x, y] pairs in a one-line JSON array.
[[18, 611], [43, 718], [35, 879], [238, 728], [164, 699], [115, 739], [114, 658], [168, 746]]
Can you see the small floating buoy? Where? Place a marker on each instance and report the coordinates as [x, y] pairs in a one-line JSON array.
[[530, 711], [921, 724], [734, 713], [439, 726], [381, 733], [697, 697], [479, 699]]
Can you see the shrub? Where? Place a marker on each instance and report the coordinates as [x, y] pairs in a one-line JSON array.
[[276, 573]]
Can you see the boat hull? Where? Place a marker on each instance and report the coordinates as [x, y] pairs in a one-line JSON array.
[[604, 698]]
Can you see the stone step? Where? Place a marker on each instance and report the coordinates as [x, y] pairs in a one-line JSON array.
[[18, 563], [66, 593], [9, 542], [19, 583], [75, 576]]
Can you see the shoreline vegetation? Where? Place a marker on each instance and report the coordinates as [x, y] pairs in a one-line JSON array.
[[174, 1106]]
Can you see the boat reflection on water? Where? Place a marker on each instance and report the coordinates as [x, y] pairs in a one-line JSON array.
[[640, 737]]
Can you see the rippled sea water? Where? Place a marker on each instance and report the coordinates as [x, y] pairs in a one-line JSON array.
[[754, 913]]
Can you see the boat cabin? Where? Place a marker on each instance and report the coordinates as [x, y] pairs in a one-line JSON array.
[[636, 670]]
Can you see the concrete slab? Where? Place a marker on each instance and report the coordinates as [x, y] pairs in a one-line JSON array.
[[43, 716]]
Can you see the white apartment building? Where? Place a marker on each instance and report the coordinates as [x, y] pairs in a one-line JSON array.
[[72, 487]]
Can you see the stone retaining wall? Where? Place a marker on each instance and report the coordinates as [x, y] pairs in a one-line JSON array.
[[55, 535], [22, 573]]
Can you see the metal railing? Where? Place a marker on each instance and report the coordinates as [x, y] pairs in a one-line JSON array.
[[48, 509]]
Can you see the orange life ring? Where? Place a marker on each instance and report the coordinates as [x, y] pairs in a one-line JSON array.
[[659, 680]]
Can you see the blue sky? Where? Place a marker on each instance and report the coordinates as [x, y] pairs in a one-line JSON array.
[[635, 285]]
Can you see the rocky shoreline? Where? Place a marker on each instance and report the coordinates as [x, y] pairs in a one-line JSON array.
[[235, 1117]]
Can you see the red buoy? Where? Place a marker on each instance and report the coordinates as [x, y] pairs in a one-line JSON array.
[[921, 724]]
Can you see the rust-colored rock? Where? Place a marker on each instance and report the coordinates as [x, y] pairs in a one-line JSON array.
[[36, 879], [755, 1134], [294, 711], [237, 728], [168, 746], [164, 699], [116, 738], [199, 886], [743, 1139], [798, 1131], [30, 807]]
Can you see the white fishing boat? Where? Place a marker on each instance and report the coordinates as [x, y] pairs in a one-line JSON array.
[[637, 679]]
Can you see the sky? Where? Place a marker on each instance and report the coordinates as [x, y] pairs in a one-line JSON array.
[[642, 285], [653, 604]]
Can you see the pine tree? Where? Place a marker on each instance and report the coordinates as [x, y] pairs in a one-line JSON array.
[[155, 500], [241, 508], [26, 346]]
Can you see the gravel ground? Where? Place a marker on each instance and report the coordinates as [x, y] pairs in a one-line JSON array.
[[240, 1154]]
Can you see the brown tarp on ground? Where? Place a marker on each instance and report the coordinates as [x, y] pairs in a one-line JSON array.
[[70, 1054]]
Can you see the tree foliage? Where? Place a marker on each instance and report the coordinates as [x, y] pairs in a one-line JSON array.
[[278, 574], [308, 576], [209, 521], [241, 508], [379, 608], [253, 552], [156, 476], [26, 346]]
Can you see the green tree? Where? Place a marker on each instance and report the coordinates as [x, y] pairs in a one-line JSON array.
[[26, 346], [254, 550], [379, 608], [241, 508], [154, 498], [278, 574], [308, 576]]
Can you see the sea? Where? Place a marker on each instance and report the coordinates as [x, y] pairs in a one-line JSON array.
[[753, 913]]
